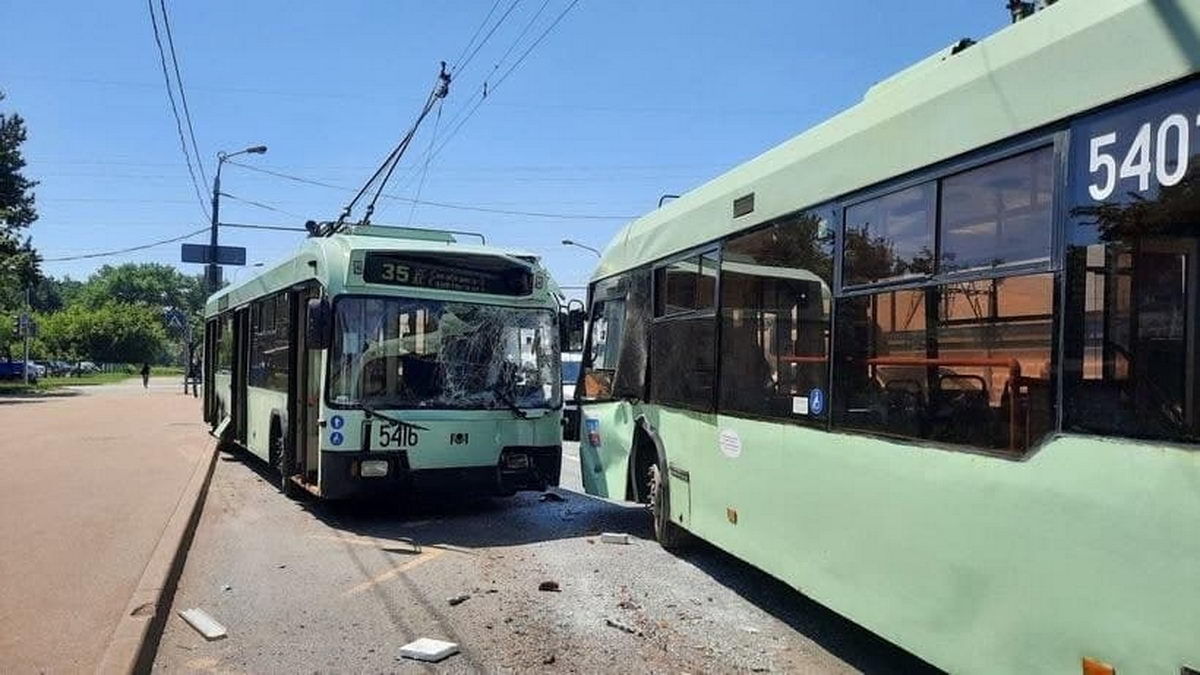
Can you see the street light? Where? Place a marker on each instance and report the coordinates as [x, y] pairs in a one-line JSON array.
[[214, 270], [568, 242]]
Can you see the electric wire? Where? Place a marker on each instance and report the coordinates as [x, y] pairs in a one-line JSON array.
[[162, 57], [487, 37], [187, 113], [478, 30], [465, 113], [120, 251], [424, 202], [412, 210], [265, 207]]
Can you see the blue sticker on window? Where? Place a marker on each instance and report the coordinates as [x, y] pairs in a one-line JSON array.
[[816, 401], [337, 422], [336, 438]]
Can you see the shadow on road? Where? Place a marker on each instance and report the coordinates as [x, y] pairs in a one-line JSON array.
[[18, 397], [407, 526]]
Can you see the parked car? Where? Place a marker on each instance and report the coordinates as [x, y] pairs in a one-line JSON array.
[[15, 370], [571, 361], [85, 368]]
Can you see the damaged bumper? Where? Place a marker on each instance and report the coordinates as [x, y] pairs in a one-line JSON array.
[[346, 475]]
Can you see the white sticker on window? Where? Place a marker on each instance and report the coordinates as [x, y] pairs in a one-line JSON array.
[[799, 405], [730, 443]]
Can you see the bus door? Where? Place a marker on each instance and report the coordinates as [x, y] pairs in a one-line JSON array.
[[1164, 304], [241, 368], [305, 396]]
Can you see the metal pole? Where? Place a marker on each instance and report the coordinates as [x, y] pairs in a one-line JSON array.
[[213, 269], [26, 330]]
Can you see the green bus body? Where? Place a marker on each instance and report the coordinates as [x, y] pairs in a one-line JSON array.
[[277, 391], [978, 559]]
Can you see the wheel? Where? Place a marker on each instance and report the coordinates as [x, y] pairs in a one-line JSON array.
[[668, 534], [282, 460]]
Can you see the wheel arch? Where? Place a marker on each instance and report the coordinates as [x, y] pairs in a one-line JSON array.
[[646, 449]]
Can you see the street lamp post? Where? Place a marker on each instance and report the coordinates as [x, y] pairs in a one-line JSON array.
[[214, 270], [568, 242]]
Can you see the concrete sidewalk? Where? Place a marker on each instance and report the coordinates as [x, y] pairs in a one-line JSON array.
[[90, 481]]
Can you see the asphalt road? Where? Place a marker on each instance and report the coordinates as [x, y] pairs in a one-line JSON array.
[[315, 586], [91, 477]]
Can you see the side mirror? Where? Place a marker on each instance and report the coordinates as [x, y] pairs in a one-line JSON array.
[[318, 325]]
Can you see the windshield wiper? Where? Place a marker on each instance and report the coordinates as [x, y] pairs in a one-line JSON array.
[[372, 412], [507, 399]]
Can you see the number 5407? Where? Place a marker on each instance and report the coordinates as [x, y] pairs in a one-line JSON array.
[[1161, 151]]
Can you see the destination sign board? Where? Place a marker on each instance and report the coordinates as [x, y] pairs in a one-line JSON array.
[[465, 274]]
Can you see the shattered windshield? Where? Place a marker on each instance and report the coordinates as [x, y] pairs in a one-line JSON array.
[[401, 352]]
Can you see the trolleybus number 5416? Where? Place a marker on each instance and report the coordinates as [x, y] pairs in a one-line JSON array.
[[1160, 150]]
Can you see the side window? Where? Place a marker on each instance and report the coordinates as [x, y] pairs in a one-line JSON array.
[[775, 307], [225, 343], [891, 237], [269, 343], [604, 335], [683, 338], [998, 214], [1131, 334], [686, 285], [966, 363]]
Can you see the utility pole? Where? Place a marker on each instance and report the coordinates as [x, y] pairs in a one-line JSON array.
[[27, 329], [213, 271]]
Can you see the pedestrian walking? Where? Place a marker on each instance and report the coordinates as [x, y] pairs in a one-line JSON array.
[[145, 375]]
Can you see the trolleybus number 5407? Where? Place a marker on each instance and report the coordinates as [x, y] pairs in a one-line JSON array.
[[1158, 150]]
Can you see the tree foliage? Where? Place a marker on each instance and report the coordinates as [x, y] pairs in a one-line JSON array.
[[19, 262]]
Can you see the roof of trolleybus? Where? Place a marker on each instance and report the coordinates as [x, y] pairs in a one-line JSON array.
[[959, 99], [328, 259]]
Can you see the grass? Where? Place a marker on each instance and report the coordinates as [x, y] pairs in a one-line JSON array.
[[47, 384]]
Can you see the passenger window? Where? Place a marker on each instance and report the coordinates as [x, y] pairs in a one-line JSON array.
[[998, 214], [1132, 335], [890, 237], [963, 363], [775, 307], [686, 285]]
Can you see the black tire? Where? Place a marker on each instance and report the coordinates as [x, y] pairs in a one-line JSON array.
[[282, 460], [669, 535]]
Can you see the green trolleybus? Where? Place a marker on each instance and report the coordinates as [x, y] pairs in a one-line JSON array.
[[379, 360], [934, 361]]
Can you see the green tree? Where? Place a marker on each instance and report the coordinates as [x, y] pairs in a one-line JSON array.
[[19, 262], [151, 284], [112, 333]]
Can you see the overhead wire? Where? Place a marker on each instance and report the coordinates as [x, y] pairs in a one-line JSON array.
[[131, 249], [162, 57], [412, 210], [265, 207], [468, 110], [478, 30], [487, 37], [431, 203], [187, 113]]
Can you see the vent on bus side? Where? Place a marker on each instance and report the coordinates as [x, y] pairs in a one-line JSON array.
[[743, 205]]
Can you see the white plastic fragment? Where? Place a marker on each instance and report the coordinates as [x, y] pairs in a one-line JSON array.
[[203, 623], [614, 538], [428, 649]]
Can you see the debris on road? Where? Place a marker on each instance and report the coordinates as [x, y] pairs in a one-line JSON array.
[[623, 627], [549, 585], [203, 623], [614, 538], [551, 497], [458, 599], [550, 659], [750, 629], [428, 649], [227, 587]]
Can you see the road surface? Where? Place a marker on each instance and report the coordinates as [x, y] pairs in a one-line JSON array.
[[310, 586], [91, 477]]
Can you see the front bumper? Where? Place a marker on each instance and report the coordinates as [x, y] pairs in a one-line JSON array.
[[342, 474]]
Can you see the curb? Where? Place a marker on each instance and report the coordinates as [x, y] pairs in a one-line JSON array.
[[133, 643]]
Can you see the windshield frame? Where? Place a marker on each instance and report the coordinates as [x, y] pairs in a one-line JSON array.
[[330, 357]]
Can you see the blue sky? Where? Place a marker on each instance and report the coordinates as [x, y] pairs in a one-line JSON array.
[[622, 102]]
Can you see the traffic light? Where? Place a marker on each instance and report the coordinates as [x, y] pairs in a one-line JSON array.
[[16, 322]]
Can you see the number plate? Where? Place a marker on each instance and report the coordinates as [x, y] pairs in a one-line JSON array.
[[392, 436]]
